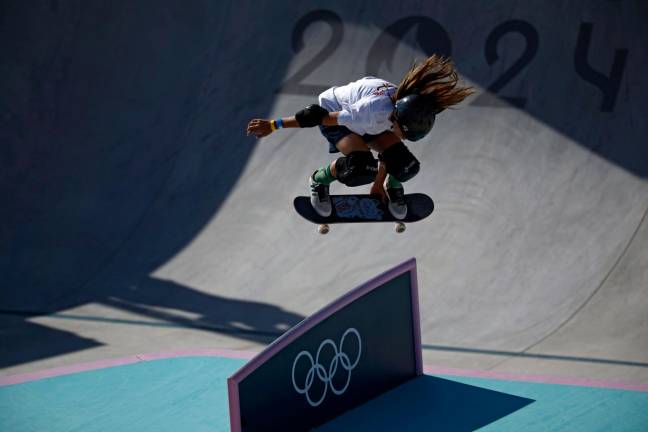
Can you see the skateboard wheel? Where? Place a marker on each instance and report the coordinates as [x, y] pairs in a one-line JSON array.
[[323, 229], [400, 227]]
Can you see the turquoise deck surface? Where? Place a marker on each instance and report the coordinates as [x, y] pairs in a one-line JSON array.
[[178, 394], [419, 405], [190, 394]]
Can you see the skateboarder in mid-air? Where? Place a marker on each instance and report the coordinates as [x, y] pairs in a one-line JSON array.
[[374, 114]]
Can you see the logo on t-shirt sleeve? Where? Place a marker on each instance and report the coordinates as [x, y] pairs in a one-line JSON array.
[[382, 89]]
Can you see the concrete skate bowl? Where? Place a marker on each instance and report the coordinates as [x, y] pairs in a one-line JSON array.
[[128, 182]]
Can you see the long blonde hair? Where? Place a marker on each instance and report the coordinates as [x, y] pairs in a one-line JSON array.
[[437, 80]]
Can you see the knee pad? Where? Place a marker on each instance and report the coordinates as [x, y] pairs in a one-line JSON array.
[[357, 169], [400, 162]]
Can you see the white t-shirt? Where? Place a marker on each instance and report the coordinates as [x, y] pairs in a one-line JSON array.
[[364, 105]]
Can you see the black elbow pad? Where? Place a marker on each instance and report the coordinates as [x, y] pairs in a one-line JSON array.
[[311, 116]]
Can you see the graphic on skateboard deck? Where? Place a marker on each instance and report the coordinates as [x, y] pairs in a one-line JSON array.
[[363, 209]]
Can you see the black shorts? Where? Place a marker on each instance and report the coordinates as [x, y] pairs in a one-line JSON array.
[[334, 134]]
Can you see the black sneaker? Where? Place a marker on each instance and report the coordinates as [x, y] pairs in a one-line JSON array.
[[320, 199]]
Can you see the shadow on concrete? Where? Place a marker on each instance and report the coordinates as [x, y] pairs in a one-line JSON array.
[[123, 133], [172, 303], [23, 341], [156, 304], [426, 402], [525, 59]]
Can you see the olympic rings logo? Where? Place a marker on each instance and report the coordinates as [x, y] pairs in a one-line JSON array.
[[340, 358]]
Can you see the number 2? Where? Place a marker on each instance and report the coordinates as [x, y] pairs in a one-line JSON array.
[[294, 85], [532, 41]]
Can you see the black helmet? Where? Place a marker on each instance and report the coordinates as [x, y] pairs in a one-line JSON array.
[[415, 116]]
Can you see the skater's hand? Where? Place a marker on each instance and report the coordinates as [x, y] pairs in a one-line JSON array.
[[379, 191], [259, 128]]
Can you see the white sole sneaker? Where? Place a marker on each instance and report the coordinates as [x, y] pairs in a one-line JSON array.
[[320, 199], [396, 205], [399, 211]]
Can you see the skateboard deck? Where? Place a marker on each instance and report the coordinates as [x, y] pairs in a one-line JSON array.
[[364, 209]]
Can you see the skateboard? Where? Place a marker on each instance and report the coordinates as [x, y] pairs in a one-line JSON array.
[[363, 209]]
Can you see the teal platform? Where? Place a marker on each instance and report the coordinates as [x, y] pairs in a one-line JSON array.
[[190, 394]]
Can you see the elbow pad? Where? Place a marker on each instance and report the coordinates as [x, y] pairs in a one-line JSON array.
[[311, 116]]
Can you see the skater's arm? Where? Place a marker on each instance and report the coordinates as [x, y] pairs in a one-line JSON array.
[[262, 127], [378, 187], [330, 119]]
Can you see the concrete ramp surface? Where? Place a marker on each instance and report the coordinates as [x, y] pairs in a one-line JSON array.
[[136, 216]]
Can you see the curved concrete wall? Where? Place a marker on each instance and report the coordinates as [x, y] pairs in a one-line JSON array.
[[129, 184]]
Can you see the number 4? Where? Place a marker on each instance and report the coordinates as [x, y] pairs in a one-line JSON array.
[[609, 85]]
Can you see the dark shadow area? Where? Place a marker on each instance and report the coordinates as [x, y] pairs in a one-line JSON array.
[[23, 341], [114, 139], [170, 304], [426, 403], [255, 321], [122, 130]]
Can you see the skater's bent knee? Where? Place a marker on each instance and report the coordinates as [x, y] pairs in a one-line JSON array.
[[357, 169], [407, 172], [400, 162]]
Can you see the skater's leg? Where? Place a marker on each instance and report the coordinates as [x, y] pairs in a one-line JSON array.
[[400, 165], [324, 175], [351, 143], [347, 145], [353, 169], [392, 183]]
